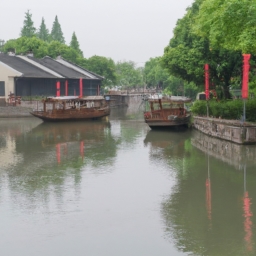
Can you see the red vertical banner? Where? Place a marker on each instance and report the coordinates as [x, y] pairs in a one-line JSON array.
[[208, 198], [248, 225], [58, 153], [66, 88], [207, 81], [81, 88], [58, 89], [98, 89], [246, 69], [82, 149]]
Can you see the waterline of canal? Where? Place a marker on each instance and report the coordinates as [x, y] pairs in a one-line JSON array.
[[115, 187]]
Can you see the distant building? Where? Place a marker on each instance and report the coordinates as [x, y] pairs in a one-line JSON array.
[[27, 76]]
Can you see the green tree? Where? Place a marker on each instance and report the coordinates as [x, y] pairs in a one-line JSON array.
[[104, 67], [229, 24], [74, 44], [23, 45], [28, 28], [10, 46], [187, 53], [43, 32], [56, 48], [56, 33], [128, 75], [40, 48], [155, 75]]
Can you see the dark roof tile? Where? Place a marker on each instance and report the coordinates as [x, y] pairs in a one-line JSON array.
[[24, 67]]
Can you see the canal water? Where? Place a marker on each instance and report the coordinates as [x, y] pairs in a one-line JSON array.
[[116, 188]]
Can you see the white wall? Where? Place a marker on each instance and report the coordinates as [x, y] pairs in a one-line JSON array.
[[7, 75]]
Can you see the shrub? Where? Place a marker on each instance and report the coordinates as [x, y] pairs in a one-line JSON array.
[[228, 109]]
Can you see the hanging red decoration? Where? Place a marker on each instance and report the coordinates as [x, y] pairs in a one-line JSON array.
[[80, 87], [58, 89], [246, 69], [207, 81]]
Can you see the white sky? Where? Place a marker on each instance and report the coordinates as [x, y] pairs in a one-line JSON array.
[[133, 30]]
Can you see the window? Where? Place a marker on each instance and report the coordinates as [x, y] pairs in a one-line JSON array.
[[2, 88]]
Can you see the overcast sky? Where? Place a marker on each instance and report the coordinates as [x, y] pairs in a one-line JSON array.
[[133, 30]]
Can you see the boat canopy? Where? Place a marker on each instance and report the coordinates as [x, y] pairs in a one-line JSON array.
[[171, 99], [76, 98]]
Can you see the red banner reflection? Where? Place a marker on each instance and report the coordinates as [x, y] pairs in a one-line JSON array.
[[247, 222], [208, 198]]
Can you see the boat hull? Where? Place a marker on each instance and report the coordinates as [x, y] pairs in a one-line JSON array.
[[160, 123], [71, 114]]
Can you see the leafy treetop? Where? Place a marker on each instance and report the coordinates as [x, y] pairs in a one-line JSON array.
[[187, 53], [56, 33], [128, 75], [28, 28], [43, 32], [74, 44], [229, 24]]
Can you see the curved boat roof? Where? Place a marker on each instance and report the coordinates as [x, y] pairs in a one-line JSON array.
[[174, 99]]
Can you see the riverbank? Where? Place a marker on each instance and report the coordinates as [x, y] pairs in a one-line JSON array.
[[229, 130], [15, 112]]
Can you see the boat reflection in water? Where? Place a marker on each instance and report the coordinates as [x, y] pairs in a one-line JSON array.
[[165, 143], [210, 210], [68, 139]]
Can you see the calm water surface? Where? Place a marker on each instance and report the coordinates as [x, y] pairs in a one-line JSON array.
[[116, 188]]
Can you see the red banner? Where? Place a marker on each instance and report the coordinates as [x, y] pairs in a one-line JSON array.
[[81, 88], [66, 88], [246, 69], [58, 89], [207, 81]]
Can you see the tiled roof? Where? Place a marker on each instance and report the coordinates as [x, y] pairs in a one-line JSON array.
[[47, 67], [78, 68], [60, 68], [24, 67]]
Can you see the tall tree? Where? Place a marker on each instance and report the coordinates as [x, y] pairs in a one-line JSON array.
[[74, 44], [43, 32], [229, 24], [28, 28], [56, 33], [187, 53]]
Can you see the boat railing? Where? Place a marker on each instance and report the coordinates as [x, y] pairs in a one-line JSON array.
[[165, 113]]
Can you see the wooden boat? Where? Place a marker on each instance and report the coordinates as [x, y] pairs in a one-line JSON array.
[[72, 108], [167, 111]]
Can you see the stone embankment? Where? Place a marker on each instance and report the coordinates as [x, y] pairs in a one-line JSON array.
[[230, 130], [14, 112], [21, 110]]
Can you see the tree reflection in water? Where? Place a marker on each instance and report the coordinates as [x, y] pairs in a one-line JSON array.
[[209, 212]]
